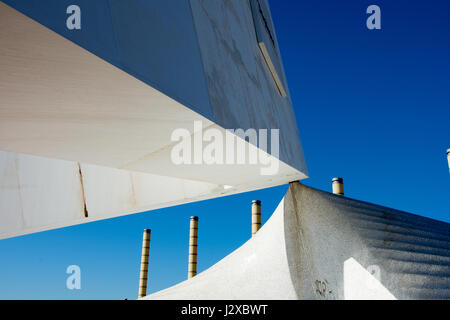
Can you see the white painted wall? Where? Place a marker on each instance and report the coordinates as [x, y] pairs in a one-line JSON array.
[[38, 194]]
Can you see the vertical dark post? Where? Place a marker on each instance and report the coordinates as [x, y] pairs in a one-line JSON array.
[[144, 263], [448, 159], [256, 216], [193, 245]]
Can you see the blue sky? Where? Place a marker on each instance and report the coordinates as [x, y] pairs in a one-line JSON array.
[[373, 106]]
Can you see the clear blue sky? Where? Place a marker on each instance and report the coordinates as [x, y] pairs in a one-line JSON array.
[[372, 107]]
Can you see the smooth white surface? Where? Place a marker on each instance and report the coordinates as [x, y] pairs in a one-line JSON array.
[[59, 101], [38, 194], [360, 284]]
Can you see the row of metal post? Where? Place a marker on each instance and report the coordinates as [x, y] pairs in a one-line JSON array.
[[193, 245], [193, 240], [337, 187]]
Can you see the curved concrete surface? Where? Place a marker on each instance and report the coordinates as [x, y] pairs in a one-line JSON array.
[[318, 245]]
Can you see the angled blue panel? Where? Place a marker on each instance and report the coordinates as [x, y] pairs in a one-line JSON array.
[[153, 40]]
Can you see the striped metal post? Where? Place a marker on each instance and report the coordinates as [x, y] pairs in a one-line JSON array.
[[338, 186], [448, 159], [256, 216], [193, 245], [144, 263]]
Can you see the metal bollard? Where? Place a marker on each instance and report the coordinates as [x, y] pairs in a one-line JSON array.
[[338, 186], [193, 244], [256, 216], [144, 263]]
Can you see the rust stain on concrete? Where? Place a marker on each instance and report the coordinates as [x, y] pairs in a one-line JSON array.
[[83, 197]]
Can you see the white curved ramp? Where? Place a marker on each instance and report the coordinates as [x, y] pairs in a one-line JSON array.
[[321, 246]]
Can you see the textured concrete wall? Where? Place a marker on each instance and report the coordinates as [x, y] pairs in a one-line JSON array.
[[336, 236], [242, 91], [321, 246]]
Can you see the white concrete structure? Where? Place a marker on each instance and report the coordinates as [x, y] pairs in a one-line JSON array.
[[318, 245], [86, 116], [86, 120]]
